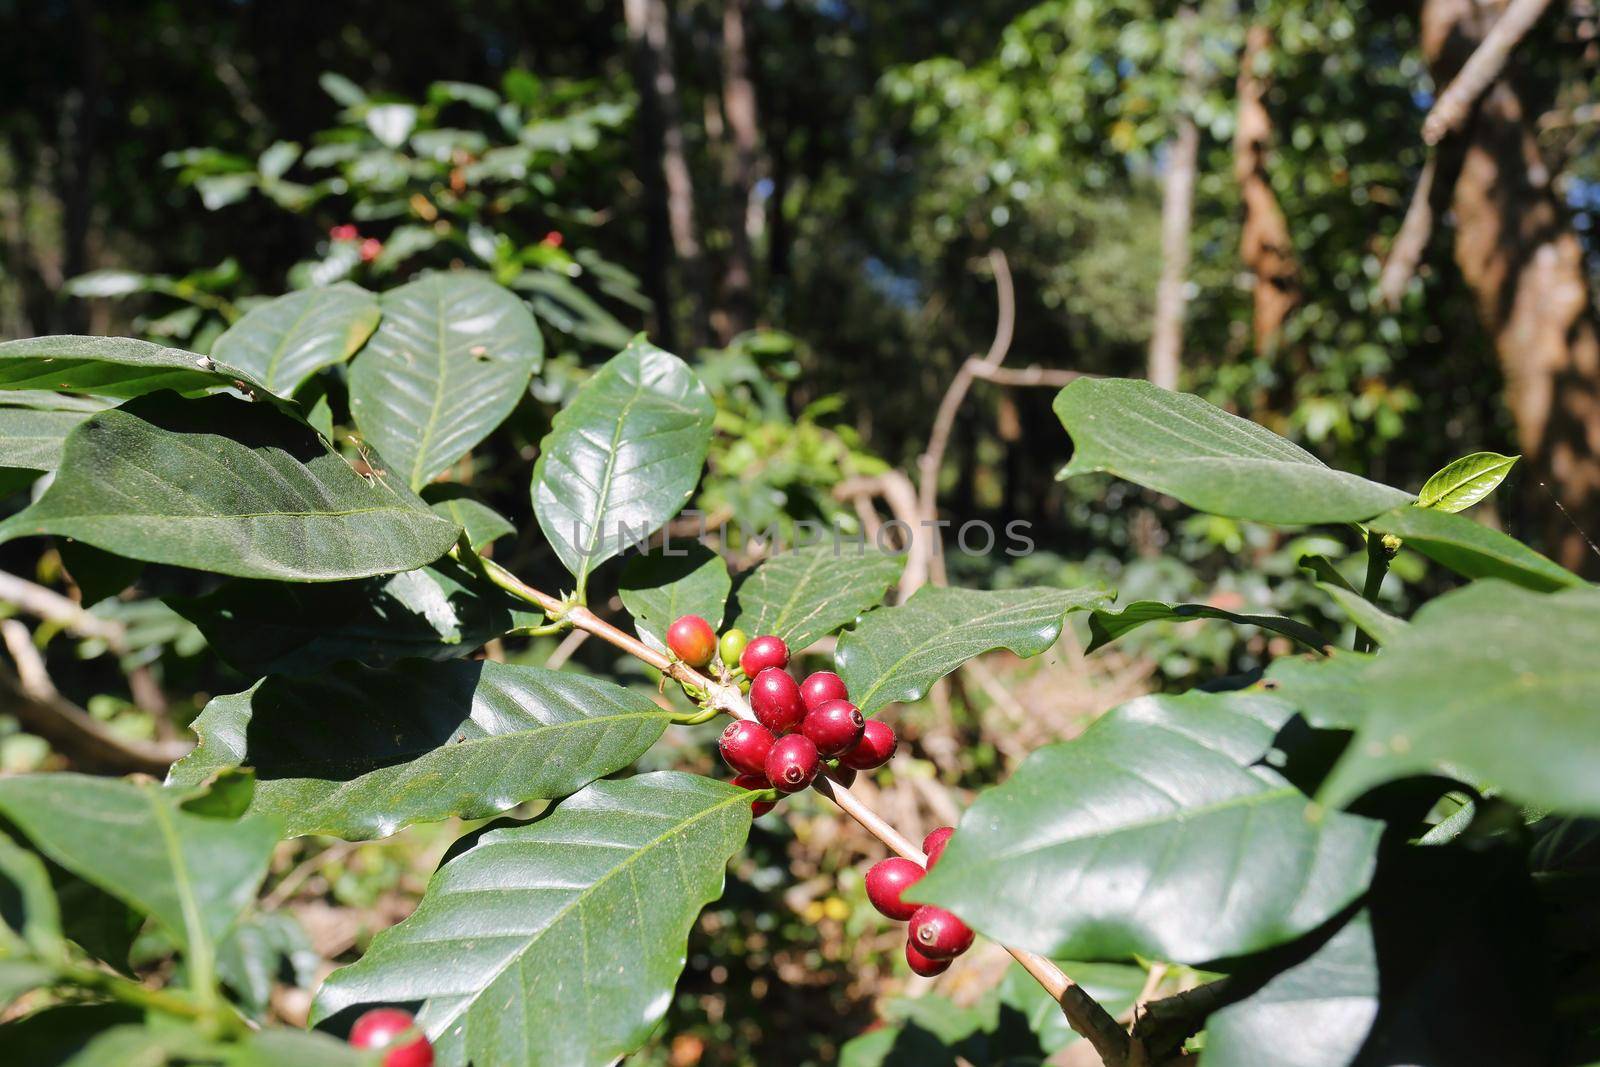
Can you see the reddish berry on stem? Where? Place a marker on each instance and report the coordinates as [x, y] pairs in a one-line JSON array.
[[775, 698], [934, 844], [763, 652], [926, 966], [745, 745], [792, 763], [877, 744], [381, 1027], [756, 781], [692, 640], [889, 878], [938, 934], [835, 727], [821, 687]]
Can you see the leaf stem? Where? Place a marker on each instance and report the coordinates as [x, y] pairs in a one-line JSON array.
[[1377, 567], [222, 1021]]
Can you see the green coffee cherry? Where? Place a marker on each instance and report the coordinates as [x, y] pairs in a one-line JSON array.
[[731, 647]]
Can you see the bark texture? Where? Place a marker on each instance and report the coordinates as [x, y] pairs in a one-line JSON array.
[[1266, 246], [737, 313]]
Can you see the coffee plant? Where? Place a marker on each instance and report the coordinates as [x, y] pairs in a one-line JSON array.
[[1379, 854]]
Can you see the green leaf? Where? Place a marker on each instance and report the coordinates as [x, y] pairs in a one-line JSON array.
[[192, 873], [442, 611], [260, 950], [1472, 549], [28, 906], [1161, 831], [31, 439], [285, 341], [19, 976], [98, 575], [809, 593], [1329, 690], [1116, 986], [448, 363], [1176, 443], [483, 524], [1466, 481], [222, 485], [622, 457], [1106, 625], [558, 942], [897, 653], [360, 753], [657, 588], [1368, 617], [110, 366], [1490, 684]]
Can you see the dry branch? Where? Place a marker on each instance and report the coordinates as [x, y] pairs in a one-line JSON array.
[[1481, 69]]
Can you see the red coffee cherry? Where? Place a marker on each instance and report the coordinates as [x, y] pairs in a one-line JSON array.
[[792, 763], [835, 727], [763, 652], [938, 934], [889, 878], [821, 687], [745, 746], [877, 744], [934, 844], [756, 781], [381, 1027], [775, 698], [924, 965], [692, 640]]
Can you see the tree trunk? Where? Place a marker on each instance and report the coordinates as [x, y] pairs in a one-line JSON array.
[[737, 313], [664, 168], [1265, 246], [1177, 214], [1525, 268]]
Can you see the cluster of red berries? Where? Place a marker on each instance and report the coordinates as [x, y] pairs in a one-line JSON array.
[[934, 936], [382, 1027], [371, 247], [798, 726]]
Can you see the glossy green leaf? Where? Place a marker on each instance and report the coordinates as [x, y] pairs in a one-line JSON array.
[[442, 611], [1472, 549], [1491, 684], [143, 844], [222, 485], [110, 366], [810, 592], [1108, 624], [657, 588], [1328, 690], [622, 457], [897, 653], [449, 361], [1370, 619], [360, 753], [1466, 481], [1161, 831], [285, 341], [558, 942], [31, 439], [1178, 444], [483, 524]]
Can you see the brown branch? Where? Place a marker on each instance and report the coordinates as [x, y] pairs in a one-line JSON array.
[[901, 496], [51, 606], [1084, 1014], [1481, 69], [1412, 241], [1050, 377]]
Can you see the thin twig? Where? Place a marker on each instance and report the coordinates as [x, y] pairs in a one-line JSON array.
[[51, 606], [569, 644], [1481, 69], [1412, 241]]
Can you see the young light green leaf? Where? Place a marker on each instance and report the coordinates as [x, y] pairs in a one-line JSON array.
[[1466, 481], [193, 873], [285, 341], [897, 653], [622, 457], [441, 611], [558, 942], [657, 588], [1368, 617], [1161, 831], [449, 361], [360, 753], [810, 592], [1490, 684], [222, 485], [483, 524], [1472, 549], [1178, 444], [110, 366], [1108, 624]]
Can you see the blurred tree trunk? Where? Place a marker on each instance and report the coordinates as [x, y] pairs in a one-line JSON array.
[[1265, 246], [76, 172], [1525, 268], [664, 168], [1177, 215], [737, 312]]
